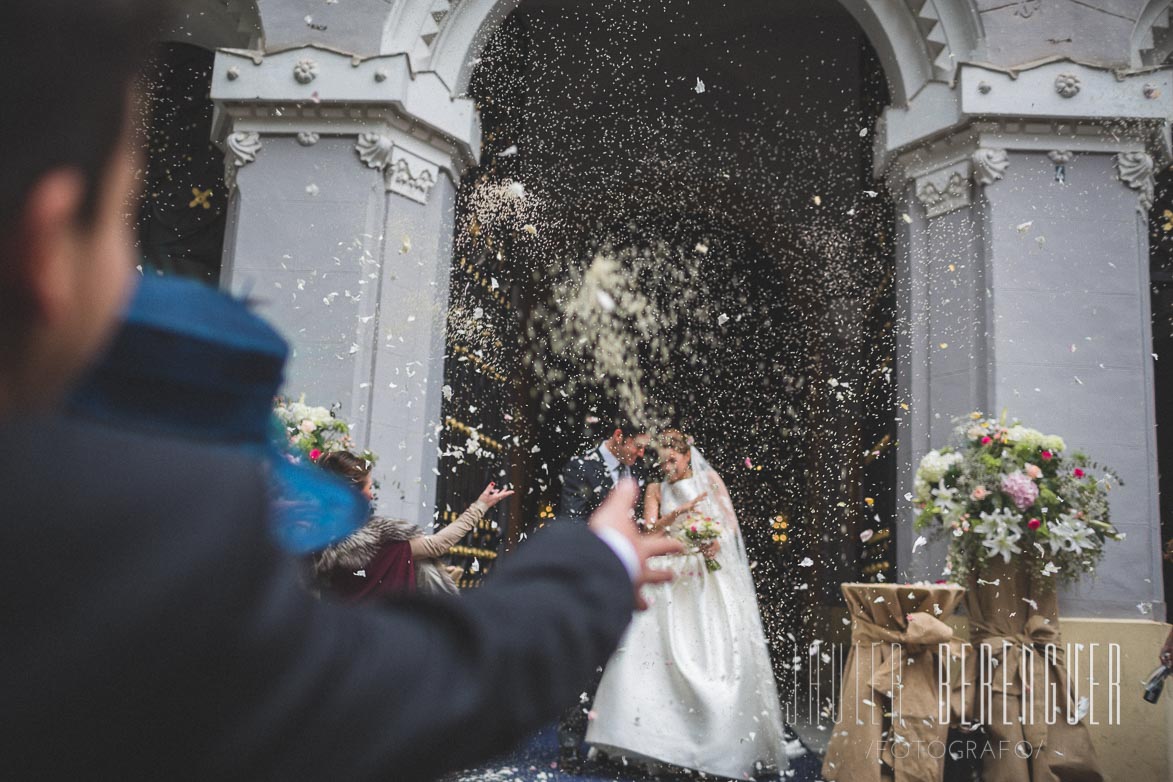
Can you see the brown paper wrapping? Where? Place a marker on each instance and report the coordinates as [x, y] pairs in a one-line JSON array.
[[893, 665], [1007, 613]]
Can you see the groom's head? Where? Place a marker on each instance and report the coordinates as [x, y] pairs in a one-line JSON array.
[[627, 442]]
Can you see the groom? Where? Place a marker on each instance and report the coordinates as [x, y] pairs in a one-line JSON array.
[[586, 481]]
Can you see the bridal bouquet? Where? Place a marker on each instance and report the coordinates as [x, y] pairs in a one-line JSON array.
[[1013, 492], [701, 530], [314, 431]]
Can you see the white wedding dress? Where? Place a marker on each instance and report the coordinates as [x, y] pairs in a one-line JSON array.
[[691, 684]]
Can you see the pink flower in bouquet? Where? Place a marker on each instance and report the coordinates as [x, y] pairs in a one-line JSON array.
[[1034, 524], [1078, 473], [1046, 456], [987, 440], [315, 453], [1033, 470], [1021, 489], [979, 493]]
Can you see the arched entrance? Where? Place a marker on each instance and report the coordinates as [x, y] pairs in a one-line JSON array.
[[725, 161]]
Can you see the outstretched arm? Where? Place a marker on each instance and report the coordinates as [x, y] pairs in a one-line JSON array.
[[313, 690], [436, 546]]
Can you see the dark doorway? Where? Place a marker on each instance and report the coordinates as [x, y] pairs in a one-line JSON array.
[[1161, 276], [182, 216], [723, 159]]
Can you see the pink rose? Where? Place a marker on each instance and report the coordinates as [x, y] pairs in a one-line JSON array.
[[979, 493], [1078, 473], [1034, 524], [987, 440], [314, 454], [1046, 456], [1033, 470]]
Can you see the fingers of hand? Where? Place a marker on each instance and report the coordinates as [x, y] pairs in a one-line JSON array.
[[651, 576], [659, 546]]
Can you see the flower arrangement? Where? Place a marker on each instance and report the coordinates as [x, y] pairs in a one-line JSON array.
[[315, 431], [1013, 492], [701, 530]]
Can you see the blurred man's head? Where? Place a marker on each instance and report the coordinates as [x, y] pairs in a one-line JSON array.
[[66, 186], [627, 443]]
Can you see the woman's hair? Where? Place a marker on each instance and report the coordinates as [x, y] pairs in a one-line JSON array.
[[673, 440], [346, 465]]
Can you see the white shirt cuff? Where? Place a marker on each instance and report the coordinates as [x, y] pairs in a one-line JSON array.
[[622, 548]]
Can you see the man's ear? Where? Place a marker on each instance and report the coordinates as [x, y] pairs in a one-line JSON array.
[[46, 244]]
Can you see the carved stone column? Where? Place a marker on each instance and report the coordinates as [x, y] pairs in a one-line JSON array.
[[1023, 286], [344, 174]]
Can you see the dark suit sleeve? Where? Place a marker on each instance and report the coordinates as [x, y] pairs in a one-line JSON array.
[[327, 692], [577, 498]]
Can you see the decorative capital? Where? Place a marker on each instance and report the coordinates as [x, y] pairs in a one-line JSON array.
[[242, 150], [374, 149], [989, 165], [305, 71], [411, 176], [404, 173], [1061, 157], [1136, 170], [944, 190]]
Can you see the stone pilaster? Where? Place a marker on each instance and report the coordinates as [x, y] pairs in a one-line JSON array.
[[344, 176], [1023, 285]]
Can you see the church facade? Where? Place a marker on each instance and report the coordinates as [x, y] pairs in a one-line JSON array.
[[1024, 147]]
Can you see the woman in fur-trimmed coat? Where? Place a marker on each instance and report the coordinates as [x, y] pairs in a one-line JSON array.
[[387, 556]]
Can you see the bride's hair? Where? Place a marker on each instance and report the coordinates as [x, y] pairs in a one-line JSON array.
[[673, 440]]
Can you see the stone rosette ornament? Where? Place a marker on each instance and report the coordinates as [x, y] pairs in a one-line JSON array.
[[1067, 85], [305, 71]]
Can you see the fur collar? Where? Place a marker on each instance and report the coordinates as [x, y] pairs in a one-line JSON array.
[[357, 549]]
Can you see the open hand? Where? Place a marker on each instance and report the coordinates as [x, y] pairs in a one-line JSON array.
[[710, 549], [492, 495], [617, 513]]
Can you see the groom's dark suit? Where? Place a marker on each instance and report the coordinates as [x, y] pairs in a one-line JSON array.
[[586, 482]]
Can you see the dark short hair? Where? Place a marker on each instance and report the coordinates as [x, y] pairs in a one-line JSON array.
[[626, 428], [67, 79], [346, 465]]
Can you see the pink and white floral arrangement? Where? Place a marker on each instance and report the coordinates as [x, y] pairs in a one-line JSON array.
[[1013, 492], [315, 431]]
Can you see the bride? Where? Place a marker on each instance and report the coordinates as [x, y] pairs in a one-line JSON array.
[[691, 683]]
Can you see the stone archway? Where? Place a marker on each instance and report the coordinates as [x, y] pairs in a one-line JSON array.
[[918, 41], [632, 181]]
